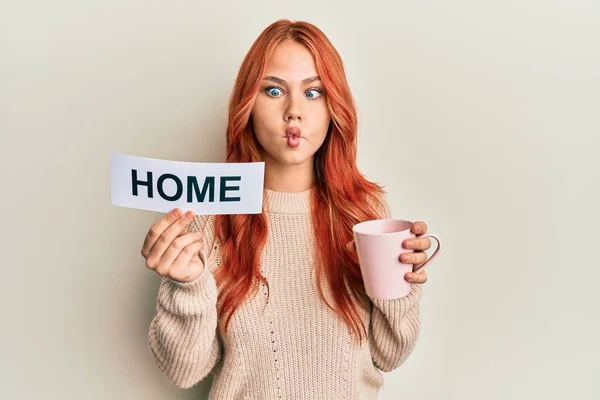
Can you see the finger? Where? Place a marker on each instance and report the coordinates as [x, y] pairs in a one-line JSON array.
[[418, 257], [419, 278], [166, 237], [176, 247], [419, 228], [157, 229], [351, 246], [417, 244], [182, 267]]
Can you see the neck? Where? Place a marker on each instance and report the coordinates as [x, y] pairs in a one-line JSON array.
[[289, 178]]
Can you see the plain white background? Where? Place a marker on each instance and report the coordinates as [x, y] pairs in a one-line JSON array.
[[481, 118]]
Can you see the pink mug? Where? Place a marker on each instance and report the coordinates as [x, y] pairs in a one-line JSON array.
[[379, 245]]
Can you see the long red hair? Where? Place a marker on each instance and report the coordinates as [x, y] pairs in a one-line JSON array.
[[341, 196]]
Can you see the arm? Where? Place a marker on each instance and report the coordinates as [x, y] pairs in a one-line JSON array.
[[394, 329], [183, 339], [395, 323]]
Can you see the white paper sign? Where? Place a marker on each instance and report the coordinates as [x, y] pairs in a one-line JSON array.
[[206, 188]]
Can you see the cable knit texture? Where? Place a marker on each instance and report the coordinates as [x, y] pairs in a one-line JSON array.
[[294, 346]]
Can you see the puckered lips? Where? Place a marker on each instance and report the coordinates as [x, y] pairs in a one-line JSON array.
[[293, 134]]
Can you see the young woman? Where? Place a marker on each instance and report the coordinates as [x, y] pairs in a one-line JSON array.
[[273, 304]]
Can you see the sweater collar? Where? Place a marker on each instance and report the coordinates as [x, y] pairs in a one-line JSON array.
[[288, 202]]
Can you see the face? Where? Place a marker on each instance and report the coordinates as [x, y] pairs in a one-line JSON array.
[[290, 95]]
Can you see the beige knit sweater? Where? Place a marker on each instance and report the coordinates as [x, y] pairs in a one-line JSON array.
[[294, 346]]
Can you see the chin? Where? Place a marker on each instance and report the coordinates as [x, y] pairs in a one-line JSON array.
[[293, 158], [294, 161]]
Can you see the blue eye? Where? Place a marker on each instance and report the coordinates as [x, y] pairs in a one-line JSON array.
[[273, 91], [314, 93]]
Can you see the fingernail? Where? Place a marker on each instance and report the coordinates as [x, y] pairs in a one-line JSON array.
[[175, 212], [409, 243], [189, 215]]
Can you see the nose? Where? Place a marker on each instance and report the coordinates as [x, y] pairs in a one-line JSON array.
[[293, 110]]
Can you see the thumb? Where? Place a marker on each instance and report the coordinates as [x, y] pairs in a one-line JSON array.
[[351, 246]]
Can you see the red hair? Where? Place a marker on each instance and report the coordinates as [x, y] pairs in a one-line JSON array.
[[341, 196]]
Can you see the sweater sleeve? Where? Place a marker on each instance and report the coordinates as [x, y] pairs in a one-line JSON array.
[[394, 329], [395, 323], [183, 338]]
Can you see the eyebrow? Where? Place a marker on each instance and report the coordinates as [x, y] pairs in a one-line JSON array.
[[282, 82]]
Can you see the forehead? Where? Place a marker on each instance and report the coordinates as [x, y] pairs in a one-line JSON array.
[[291, 61]]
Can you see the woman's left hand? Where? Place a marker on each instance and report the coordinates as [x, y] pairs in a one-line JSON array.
[[418, 257]]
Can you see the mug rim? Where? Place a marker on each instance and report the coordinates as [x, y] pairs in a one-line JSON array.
[[356, 228]]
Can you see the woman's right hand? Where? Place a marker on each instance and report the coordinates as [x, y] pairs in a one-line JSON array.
[[171, 251]]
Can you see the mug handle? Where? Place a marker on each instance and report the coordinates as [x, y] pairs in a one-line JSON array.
[[435, 253]]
